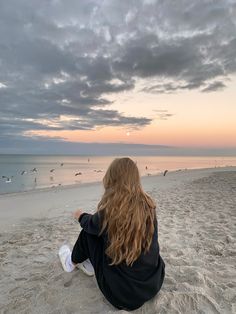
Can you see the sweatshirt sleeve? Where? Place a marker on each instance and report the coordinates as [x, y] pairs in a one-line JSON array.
[[91, 223]]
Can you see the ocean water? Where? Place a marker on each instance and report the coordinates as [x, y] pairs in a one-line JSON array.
[[29, 172]]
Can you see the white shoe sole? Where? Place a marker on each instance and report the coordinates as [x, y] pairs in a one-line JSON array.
[[63, 253], [87, 272]]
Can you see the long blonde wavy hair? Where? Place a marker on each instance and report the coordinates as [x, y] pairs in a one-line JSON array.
[[129, 212]]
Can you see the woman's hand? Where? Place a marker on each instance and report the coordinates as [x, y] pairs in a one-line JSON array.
[[77, 214]]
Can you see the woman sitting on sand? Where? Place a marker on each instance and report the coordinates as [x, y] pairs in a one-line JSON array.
[[120, 240]]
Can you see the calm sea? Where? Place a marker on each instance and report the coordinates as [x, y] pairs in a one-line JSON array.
[[29, 172]]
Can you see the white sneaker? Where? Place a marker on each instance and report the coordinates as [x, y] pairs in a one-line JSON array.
[[86, 267], [65, 258]]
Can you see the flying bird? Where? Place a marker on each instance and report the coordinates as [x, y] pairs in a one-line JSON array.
[[8, 179], [78, 174], [165, 172]]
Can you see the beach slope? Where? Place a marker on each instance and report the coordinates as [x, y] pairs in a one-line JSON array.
[[197, 235]]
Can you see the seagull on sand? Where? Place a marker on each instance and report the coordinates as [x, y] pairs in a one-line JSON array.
[[34, 170], [52, 170], [78, 174], [62, 164], [23, 172]]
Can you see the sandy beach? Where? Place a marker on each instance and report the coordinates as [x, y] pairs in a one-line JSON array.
[[196, 212]]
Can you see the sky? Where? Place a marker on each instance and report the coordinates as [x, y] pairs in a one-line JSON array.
[[114, 71]]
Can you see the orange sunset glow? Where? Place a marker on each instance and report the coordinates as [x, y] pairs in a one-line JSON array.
[[197, 120]]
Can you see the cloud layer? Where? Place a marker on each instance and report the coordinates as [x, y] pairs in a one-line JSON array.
[[59, 60]]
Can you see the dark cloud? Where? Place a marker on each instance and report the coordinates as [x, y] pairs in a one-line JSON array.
[[63, 58], [169, 88], [214, 86]]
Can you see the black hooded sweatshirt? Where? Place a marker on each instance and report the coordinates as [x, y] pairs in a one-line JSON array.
[[126, 287]]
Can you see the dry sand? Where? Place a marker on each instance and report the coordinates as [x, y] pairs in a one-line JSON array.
[[197, 236]]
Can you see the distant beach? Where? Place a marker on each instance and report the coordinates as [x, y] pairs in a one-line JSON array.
[[19, 173], [196, 218]]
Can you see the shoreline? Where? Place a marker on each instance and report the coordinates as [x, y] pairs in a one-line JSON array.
[[76, 185], [15, 208]]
